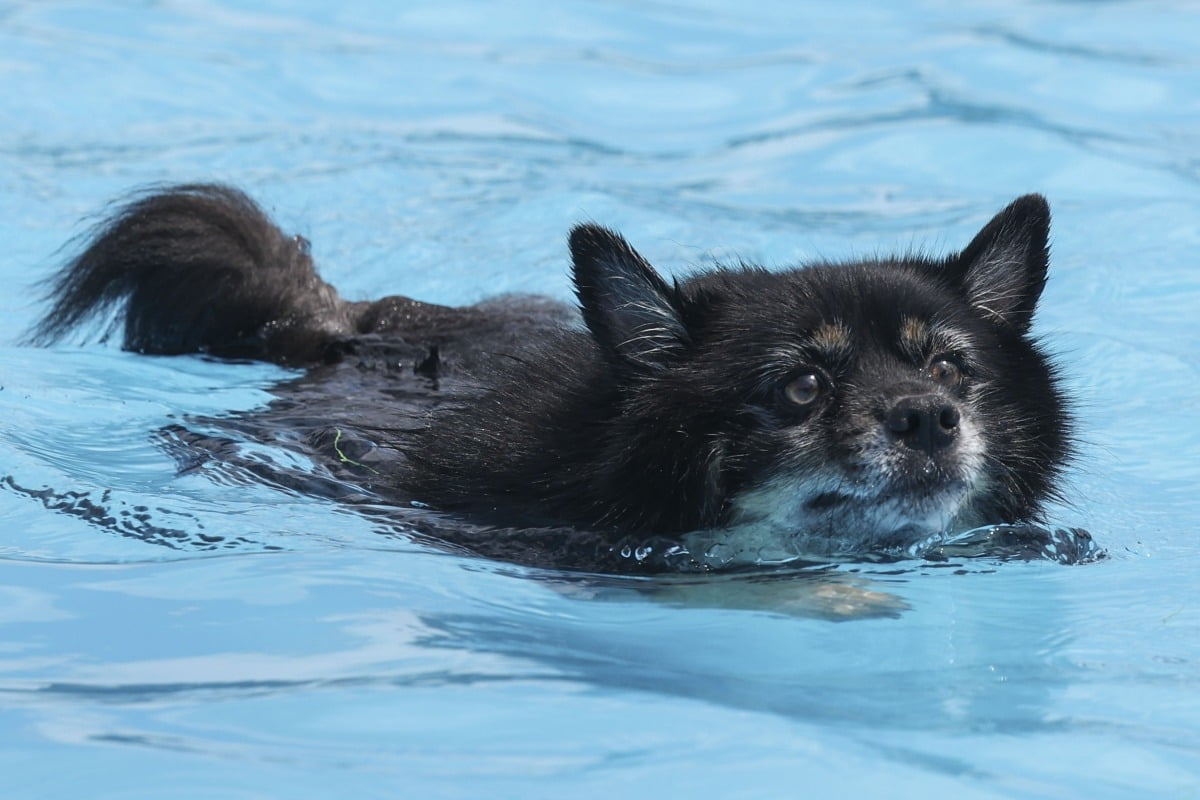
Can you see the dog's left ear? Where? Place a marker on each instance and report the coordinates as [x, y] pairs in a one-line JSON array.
[[1003, 269], [633, 314]]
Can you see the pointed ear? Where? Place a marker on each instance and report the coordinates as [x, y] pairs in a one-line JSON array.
[[632, 313], [1003, 269]]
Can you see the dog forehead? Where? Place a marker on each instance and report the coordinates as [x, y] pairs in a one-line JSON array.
[[871, 316], [833, 313], [838, 308]]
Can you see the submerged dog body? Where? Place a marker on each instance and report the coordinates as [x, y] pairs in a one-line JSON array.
[[757, 416]]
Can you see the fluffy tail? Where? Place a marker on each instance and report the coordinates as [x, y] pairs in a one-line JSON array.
[[200, 268]]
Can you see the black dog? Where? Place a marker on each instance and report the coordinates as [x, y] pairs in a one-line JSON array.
[[749, 415]]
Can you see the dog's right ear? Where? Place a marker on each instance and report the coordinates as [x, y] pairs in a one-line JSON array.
[[633, 314], [1003, 269]]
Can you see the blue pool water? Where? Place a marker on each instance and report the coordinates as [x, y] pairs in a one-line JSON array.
[[442, 150]]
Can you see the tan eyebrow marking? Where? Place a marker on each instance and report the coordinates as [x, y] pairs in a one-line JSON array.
[[832, 340], [913, 329], [915, 337], [920, 339]]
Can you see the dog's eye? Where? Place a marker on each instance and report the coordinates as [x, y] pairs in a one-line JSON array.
[[803, 390], [946, 372]]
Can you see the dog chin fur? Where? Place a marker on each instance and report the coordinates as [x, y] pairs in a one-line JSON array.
[[888, 502], [757, 416], [770, 526]]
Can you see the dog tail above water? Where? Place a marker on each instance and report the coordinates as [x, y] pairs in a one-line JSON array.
[[200, 268]]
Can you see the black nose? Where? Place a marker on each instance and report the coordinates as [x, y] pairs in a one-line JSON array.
[[924, 422]]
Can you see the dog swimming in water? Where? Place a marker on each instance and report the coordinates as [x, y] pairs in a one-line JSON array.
[[739, 415]]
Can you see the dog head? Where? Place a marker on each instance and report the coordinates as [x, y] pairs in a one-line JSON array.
[[834, 408]]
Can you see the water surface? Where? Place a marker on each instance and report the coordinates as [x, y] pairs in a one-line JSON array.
[[443, 150]]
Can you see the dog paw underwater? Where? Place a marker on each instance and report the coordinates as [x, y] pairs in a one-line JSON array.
[[735, 418]]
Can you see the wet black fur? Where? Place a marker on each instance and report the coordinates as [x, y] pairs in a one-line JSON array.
[[649, 417]]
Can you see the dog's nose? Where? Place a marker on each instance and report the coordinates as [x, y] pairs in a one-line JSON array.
[[924, 422]]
